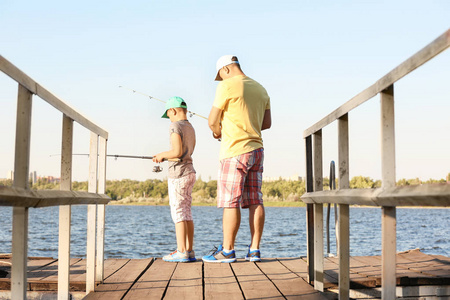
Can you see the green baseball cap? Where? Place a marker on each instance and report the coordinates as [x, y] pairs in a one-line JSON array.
[[172, 103]]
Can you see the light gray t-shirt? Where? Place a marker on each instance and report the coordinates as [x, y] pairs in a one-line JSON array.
[[187, 133]]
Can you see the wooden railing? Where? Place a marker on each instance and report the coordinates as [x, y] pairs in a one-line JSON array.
[[388, 197], [21, 198]]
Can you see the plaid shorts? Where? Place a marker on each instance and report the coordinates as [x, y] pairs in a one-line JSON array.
[[180, 197], [240, 180]]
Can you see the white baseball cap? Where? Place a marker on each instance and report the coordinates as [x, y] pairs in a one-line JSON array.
[[222, 62]]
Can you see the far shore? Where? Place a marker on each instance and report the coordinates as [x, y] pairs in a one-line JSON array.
[[266, 203], [166, 203]]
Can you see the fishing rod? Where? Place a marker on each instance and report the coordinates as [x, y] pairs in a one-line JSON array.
[[156, 169], [116, 156], [151, 97]]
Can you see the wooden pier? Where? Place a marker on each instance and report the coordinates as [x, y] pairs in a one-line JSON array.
[[418, 275]]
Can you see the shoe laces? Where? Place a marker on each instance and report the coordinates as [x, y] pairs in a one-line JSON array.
[[213, 251], [174, 252]]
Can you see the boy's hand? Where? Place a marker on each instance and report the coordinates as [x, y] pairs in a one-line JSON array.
[[158, 158]]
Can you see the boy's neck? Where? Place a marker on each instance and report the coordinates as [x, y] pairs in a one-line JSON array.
[[179, 117]]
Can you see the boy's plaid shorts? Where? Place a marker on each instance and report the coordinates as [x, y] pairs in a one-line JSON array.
[[240, 180]]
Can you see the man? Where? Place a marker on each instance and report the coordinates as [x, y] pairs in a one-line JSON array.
[[241, 110]]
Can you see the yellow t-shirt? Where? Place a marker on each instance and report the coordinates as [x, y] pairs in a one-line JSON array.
[[243, 102]]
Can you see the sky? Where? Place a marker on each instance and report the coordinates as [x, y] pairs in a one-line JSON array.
[[311, 56]]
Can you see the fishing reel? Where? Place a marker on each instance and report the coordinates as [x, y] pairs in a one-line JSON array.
[[157, 169]]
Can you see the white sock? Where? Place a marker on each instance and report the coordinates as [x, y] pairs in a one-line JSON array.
[[253, 249], [226, 250]]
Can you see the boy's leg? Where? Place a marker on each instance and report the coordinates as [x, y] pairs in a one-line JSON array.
[[181, 231], [231, 223], [256, 220], [190, 235]]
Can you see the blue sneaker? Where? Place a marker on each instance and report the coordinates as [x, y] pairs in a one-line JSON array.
[[219, 256], [254, 255], [191, 255], [177, 256]]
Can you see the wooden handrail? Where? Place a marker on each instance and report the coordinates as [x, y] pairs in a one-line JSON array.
[[431, 50], [427, 195], [15, 73], [11, 196]]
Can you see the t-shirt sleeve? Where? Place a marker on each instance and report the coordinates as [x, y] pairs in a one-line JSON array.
[[175, 128], [268, 104], [220, 101]]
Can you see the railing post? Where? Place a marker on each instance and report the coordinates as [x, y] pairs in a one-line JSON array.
[[388, 219], [318, 213], [91, 216], [65, 210], [344, 211], [309, 211], [101, 210], [20, 214]]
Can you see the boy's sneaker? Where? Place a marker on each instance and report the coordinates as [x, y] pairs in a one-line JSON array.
[[191, 255], [177, 256], [219, 256], [253, 255]]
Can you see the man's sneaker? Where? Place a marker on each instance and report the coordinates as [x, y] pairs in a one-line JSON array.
[[254, 255], [219, 256], [177, 256], [191, 255]]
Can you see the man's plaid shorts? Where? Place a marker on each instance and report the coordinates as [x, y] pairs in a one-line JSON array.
[[240, 180]]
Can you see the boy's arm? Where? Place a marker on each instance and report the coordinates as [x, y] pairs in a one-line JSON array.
[[175, 152]]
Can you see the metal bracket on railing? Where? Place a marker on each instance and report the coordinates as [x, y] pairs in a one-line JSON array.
[[332, 187]]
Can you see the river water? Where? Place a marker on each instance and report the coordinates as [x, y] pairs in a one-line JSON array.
[[148, 231]]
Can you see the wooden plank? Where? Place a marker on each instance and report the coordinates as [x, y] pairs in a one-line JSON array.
[[186, 282], [421, 57], [15, 73], [220, 282], [288, 283], [343, 222], [254, 284], [19, 197], [48, 271], [101, 210], [20, 214], [309, 210], [427, 195], [152, 284], [115, 286], [318, 212], [92, 215], [78, 272], [295, 265], [5, 283], [65, 211]]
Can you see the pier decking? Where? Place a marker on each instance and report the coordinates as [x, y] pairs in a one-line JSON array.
[[418, 275]]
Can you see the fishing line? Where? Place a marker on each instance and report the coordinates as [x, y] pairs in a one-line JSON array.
[[151, 97]]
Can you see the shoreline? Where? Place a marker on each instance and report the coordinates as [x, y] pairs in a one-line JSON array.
[[166, 203], [266, 204]]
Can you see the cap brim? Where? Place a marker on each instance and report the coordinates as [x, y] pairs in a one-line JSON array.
[[218, 78], [165, 115]]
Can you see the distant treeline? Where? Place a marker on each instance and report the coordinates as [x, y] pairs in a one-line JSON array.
[[206, 191]]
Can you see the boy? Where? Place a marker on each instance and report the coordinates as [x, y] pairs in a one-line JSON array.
[[181, 178]]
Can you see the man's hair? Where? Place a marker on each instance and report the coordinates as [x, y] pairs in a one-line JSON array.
[[238, 65]]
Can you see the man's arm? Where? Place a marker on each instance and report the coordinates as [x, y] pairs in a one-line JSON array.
[[214, 122], [267, 121]]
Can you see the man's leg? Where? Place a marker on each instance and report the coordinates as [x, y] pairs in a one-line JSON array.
[[231, 223], [256, 220]]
